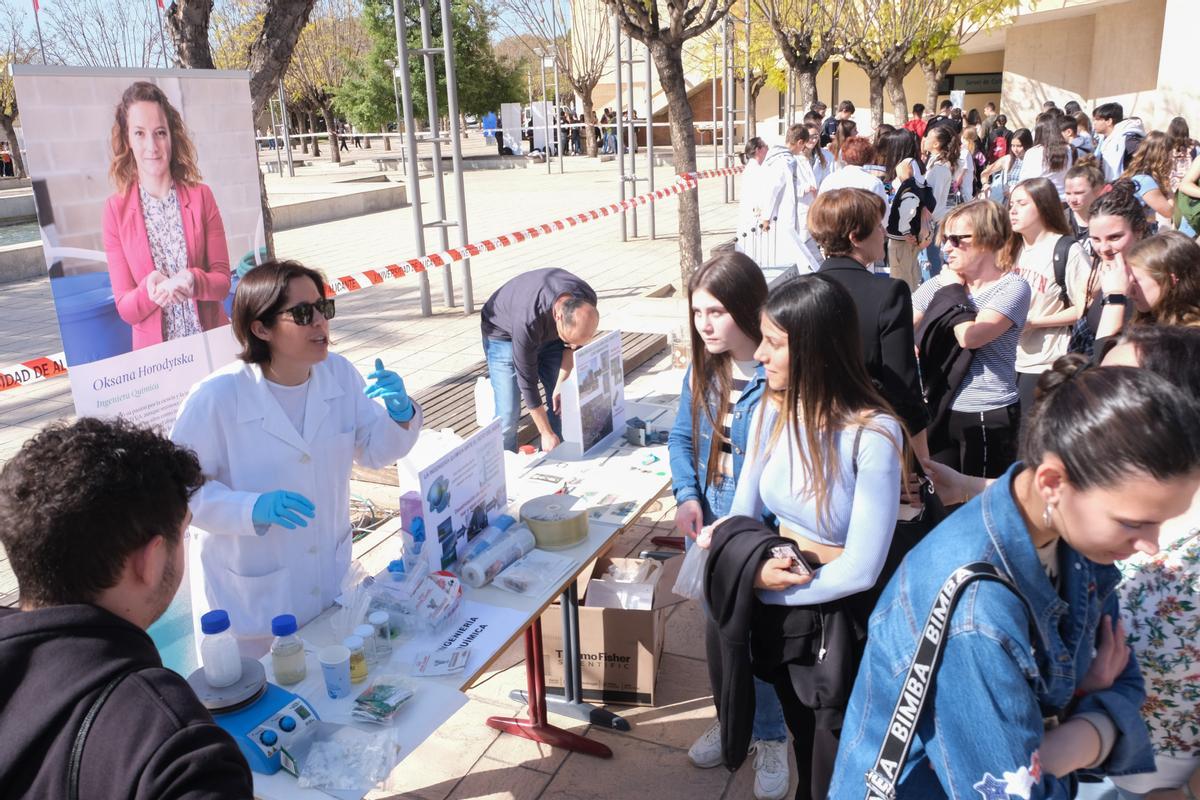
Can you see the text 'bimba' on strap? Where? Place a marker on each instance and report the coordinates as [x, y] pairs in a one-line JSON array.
[[901, 728]]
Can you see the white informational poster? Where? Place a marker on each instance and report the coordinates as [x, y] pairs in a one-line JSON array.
[[147, 191], [593, 397], [543, 116], [510, 128], [461, 493]]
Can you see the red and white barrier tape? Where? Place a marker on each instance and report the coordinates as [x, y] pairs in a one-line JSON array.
[[33, 371], [361, 280], [39, 369]]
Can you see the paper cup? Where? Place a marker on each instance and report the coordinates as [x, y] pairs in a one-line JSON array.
[[335, 666]]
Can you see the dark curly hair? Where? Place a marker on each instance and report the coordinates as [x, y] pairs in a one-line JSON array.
[[79, 498], [1121, 200]]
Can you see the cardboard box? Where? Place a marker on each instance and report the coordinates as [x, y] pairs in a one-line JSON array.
[[620, 649]]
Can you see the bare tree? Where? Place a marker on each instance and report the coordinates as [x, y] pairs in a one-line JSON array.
[[15, 48], [188, 25], [765, 66], [686, 19], [945, 43], [582, 46], [95, 33], [807, 33], [881, 37]]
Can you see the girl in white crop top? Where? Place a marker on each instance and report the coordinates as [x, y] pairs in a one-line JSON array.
[[801, 465], [805, 473]]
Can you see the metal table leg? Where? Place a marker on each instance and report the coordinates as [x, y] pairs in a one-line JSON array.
[[570, 702], [536, 728]]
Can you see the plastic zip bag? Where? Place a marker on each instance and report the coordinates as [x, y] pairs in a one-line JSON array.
[[690, 583]]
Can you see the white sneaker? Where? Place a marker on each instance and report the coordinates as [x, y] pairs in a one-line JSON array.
[[771, 774], [706, 751]]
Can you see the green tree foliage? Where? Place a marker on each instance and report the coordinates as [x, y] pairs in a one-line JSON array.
[[484, 82]]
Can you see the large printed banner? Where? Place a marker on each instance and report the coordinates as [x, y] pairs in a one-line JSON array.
[[147, 192]]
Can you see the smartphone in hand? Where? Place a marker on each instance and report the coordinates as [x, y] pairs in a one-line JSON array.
[[798, 565]]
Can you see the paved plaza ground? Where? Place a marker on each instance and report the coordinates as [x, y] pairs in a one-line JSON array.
[[466, 759]]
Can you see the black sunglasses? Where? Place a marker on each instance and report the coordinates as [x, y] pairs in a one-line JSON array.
[[302, 313], [956, 240]]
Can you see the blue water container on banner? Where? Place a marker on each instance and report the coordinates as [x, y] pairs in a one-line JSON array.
[[87, 316]]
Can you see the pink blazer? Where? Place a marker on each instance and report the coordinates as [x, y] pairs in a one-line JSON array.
[[129, 261]]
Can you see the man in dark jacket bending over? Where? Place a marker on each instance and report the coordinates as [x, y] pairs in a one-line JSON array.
[[92, 517], [532, 326]]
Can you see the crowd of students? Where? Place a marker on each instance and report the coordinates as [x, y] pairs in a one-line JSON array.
[[943, 476]]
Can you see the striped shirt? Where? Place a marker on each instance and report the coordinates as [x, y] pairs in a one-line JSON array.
[[991, 381], [742, 374]]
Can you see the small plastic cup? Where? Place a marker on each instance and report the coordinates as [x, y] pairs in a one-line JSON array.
[[335, 666]]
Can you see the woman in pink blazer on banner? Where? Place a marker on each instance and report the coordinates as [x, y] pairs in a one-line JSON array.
[[163, 235]]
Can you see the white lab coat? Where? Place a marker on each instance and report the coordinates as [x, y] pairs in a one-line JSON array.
[[248, 446], [749, 212], [786, 183]]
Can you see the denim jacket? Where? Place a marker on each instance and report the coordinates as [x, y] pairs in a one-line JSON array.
[[688, 476], [1001, 674]]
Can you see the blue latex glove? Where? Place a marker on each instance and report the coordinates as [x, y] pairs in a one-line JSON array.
[[282, 508], [389, 387]]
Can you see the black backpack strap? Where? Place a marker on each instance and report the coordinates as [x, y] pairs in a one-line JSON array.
[[76, 760], [1062, 251], [902, 727]]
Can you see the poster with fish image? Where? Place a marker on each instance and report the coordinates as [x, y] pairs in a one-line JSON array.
[[461, 493]]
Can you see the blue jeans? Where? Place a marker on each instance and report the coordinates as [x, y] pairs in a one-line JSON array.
[[769, 724], [934, 253], [502, 373]]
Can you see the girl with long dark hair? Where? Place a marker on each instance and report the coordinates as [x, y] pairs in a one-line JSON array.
[[818, 157], [941, 148], [1042, 250], [707, 446], [1009, 165], [910, 205], [826, 460], [1051, 156]]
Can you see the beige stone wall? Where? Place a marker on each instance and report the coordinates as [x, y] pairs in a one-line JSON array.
[[1137, 53]]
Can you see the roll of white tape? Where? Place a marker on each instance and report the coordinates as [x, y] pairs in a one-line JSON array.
[[557, 520]]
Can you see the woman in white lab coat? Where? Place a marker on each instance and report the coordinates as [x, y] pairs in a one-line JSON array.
[[276, 434], [749, 213]]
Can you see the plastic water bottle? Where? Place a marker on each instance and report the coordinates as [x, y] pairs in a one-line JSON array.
[[219, 650], [485, 402]]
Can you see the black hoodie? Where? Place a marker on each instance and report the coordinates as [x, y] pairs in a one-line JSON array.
[[151, 739], [943, 361]]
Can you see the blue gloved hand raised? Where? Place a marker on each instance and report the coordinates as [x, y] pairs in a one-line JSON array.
[[282, 508], [389, 386]]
